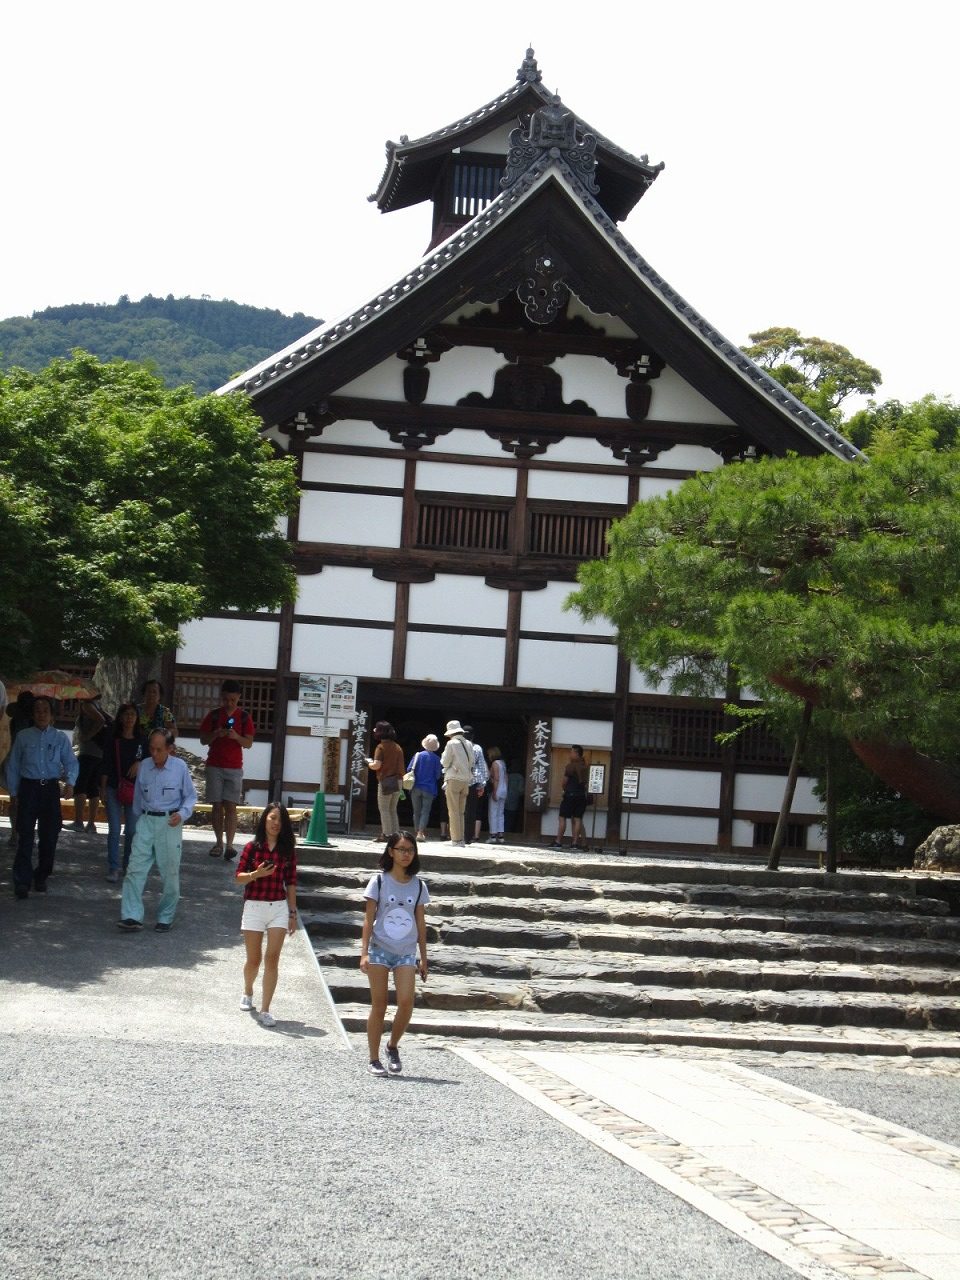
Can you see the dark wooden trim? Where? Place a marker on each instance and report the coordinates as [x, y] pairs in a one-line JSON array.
[[278, 748], [230, 616], [633, 486], [567, 637], [293, 523], [398, 660], [396, 413], [468, 460], [404, 575], [511, 654], [769, 815], [475, 500], [446, 629], [617, 751], [519, 533], [408, 522], [251, 673], [472, 563], [365, 491], [366, 624], [669, 810], [502, 702]]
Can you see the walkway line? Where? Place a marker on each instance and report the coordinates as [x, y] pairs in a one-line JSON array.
[[301, 929], [727, 1216]]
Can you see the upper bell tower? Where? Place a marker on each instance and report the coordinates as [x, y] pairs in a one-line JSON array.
[[461, 168]]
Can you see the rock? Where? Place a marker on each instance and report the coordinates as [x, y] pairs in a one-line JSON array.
[[940, 851]]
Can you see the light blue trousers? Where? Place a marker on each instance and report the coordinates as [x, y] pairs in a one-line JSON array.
[[154, 841]]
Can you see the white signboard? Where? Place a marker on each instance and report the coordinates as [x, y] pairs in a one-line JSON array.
[[342, 697], [313, 695], [324, 731], [630, 786], [595, 781]]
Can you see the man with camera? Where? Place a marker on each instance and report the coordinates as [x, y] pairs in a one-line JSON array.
[[228, 731]]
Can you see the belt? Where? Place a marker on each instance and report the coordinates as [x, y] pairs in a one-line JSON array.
[[40, 781], [159, 813]]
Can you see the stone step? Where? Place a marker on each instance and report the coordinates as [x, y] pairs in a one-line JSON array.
[[583, 939], [667, 915], [480, 862], [626, 1001], [669, 971], [705, 1032], [567, 888]]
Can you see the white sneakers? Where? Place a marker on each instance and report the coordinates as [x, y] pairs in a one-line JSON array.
[[246, 1003], [267, 1019]]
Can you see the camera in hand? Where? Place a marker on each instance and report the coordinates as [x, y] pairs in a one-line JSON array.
[[230, 722]]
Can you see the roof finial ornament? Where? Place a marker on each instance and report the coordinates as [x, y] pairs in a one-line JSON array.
[[552, 129], [529, 72]]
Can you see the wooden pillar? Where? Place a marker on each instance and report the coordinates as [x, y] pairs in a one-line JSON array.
[[618, 746], [511, 651], [278, 747]]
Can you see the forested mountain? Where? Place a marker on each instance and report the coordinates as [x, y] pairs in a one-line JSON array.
[[192, 340]]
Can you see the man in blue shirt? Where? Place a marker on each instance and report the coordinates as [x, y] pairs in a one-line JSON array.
[[41, 755], [163, 799]]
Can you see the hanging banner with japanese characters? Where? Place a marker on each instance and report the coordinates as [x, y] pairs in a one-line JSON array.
[[538, 769]]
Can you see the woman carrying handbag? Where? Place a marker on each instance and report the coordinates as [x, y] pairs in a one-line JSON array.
[[122, 752]]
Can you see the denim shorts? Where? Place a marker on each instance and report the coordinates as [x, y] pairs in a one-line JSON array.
[[377, 955]]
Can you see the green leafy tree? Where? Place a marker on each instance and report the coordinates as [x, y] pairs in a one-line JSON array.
[[127, 509], [821, 374], [816, 580], [928, 423]]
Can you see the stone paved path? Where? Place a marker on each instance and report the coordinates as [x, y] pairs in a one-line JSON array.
[[827, 1190]]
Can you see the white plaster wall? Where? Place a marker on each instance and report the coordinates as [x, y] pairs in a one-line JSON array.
[[689, 788], [351, 518], [640, 684], [212, 642], [456, 599], [674, 400], [654, 487], [471, 444], [460, 371], [568, 486], [594, 824], [455, 659], [340, 468], [303, 759], [765, 792], [665, 829], [588, 733], [611, 325], [558, 664], [356, 433], [544, 611], [352, 651], [689, 457], [346, 593], [594, 380], [383, 382], [257, 796], [451, 477], [742, 834], [582, 452], [495, 143], [256, 761]]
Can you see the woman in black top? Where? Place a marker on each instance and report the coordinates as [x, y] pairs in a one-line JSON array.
[[123, 750]]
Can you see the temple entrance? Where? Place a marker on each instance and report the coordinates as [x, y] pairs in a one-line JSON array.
[[508, 732]]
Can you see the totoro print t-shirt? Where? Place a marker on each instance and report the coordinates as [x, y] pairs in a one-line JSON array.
[[395, 924]]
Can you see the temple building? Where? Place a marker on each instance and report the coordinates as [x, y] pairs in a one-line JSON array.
[[463, 442]]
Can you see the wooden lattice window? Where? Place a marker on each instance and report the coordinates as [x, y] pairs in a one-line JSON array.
[[474, 181], [796, 837], [675, 733], [463, 528], [573, 534], [757, 745], [198, 692]]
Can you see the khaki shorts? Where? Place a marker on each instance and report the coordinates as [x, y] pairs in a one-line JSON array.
[[223, 785]]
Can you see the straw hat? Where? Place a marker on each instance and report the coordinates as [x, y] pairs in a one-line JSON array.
[[453, 726], [431, 742]]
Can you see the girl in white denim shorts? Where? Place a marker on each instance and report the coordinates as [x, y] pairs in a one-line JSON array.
[[394, 931]]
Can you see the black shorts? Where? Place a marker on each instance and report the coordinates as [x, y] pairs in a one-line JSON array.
[[88, 779], [573, 806]]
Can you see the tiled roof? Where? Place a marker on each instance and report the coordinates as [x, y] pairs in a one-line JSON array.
[[318, 343]]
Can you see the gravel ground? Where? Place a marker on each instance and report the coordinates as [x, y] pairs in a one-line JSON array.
[[930, 1104], [150, 1129], [144, 1159]]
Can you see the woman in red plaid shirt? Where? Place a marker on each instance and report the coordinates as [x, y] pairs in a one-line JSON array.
[[268, 869]]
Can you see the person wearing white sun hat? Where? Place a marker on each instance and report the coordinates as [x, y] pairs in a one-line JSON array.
[[457, 762]]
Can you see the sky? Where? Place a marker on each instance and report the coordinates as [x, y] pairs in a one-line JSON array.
[[228, 149]]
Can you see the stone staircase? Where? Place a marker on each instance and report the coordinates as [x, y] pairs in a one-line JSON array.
[[537, 946]]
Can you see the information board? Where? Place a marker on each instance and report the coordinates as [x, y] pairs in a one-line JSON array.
[[630, 786]]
